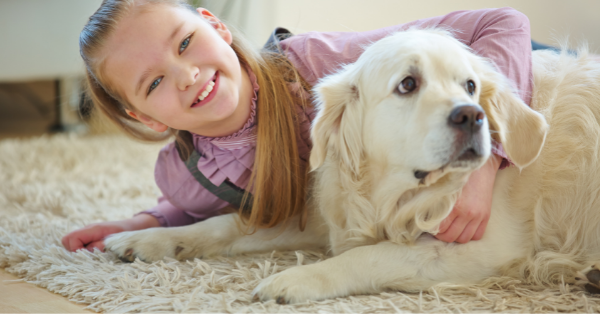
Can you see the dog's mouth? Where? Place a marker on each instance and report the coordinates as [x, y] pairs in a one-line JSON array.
[[468, 155], [468, 158], [429, 177]]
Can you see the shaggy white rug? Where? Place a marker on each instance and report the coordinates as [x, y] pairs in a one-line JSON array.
[[54, 184]]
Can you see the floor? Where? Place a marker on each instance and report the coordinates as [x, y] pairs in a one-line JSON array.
[[21, 297]]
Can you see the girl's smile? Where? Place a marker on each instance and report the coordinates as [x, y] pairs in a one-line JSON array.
[[177, 69], [208, 92]]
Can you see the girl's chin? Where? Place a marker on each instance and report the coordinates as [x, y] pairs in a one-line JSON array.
[[220, 124]]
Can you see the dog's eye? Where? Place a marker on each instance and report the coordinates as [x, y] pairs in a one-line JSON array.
[[407, 85], [470, 87]]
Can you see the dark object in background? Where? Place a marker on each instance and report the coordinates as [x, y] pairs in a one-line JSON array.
[[537, 46], [85, 107], [28, 107]]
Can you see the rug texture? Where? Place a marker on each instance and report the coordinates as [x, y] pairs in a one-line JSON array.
[[54, 184]]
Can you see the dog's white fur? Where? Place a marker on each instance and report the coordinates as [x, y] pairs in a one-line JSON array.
[[368, 142]]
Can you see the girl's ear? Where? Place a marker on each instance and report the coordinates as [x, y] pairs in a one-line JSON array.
[[216, 24], [147, 121]]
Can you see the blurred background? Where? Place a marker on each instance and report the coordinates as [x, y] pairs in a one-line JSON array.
[[41, 71]]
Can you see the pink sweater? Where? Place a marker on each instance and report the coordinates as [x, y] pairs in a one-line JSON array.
[[501, 35]]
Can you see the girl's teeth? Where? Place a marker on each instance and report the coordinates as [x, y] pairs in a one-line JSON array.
[[207, 91]]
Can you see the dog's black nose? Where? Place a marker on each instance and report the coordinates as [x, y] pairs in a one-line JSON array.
[[467, 118]]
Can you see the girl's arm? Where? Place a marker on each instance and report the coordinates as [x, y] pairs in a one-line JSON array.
[[168, 215], [92, 236], [185, 201], [502, 35], [174, 179]]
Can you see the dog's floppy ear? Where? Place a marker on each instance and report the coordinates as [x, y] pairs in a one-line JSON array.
[[521, 130], [338, 123]]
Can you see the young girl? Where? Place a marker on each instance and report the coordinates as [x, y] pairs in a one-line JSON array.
[[241, 119]]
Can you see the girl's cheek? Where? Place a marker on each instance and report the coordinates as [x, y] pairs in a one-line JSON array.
[[164, 100]]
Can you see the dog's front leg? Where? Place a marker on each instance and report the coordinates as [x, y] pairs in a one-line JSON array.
[[219, 235], [372, 269], [209, 237]]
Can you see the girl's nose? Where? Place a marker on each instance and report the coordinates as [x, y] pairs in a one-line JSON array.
[[186, 76]]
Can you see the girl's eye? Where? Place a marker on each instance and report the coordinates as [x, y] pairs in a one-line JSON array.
[[470, 87], [407, 85], [184, 44], [154, 84]]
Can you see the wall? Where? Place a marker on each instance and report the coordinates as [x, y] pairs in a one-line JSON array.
[[39, 38], [579, 19], [255, 19]]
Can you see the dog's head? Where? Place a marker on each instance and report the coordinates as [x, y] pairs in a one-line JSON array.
[[421, 104]]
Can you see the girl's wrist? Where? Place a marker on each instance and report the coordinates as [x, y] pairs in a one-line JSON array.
[[495, 162], [141, 221]]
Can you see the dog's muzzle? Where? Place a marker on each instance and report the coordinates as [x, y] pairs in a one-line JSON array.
[[467, 121], [467, 118]]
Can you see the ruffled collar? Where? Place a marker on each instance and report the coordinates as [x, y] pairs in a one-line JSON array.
[[244, 136]]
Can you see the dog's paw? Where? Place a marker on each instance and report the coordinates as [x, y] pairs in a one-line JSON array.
[[148, 245], [294, 285], [589, 279]]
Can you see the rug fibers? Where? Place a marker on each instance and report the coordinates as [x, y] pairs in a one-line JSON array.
[[52, 185]]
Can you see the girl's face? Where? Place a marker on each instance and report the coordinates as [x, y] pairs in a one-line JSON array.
[[178, 70]]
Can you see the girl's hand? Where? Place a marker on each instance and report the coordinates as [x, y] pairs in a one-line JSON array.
[[471, 213], [92, 236]]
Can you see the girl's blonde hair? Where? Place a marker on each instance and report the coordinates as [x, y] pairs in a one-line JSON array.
[[278, 178]]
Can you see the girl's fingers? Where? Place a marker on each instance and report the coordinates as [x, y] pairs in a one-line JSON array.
[[447, 222], [480, 230], [75, 243], [65, 242], [469, 231], [79, 239], [98, 245], [454, 231]]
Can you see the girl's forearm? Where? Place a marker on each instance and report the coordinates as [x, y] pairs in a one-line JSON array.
[[141, 221]]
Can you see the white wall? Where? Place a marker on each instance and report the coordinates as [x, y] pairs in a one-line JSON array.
[[579, 19], [39, 38], [253, 18]]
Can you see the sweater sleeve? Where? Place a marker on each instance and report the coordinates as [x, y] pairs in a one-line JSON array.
[[170, 216], [502, 35], [184, 200]]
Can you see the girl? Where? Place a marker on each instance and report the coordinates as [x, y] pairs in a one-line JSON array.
[[245, 117]]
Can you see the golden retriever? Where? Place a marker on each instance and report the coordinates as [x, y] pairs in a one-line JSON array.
[[397, 134]]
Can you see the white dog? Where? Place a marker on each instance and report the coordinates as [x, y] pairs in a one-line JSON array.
[[397, 135]]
